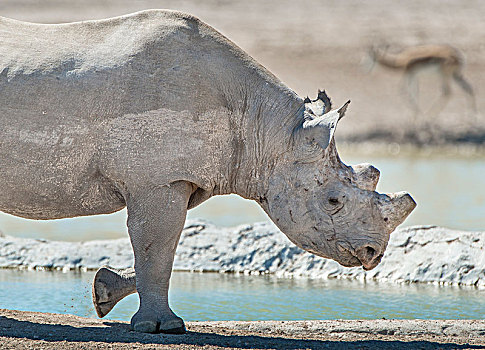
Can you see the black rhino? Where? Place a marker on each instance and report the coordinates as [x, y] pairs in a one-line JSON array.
[[157, 111]]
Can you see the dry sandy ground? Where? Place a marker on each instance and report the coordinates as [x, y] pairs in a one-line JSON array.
[[312, 44], [31, 330]]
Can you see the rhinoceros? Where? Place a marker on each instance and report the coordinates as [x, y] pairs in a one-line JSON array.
[[156, 111]]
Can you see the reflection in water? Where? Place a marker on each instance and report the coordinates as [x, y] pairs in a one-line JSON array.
[[449, 192], [212, 296]]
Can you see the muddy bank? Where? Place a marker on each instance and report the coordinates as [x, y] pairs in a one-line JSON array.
[[32, 330], [426, 254]]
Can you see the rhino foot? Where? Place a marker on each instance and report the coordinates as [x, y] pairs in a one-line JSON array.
[[169, 327], [109, 287], [102, 308], [174, 325]]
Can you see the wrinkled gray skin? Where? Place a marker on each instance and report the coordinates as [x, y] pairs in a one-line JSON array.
[[156, 111]]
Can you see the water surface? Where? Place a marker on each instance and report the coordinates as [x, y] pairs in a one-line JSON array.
[[213, 296]]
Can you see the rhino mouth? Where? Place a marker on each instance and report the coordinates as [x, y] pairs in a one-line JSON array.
[[357, 258], [351, 262], [367, 266], [368, 263]]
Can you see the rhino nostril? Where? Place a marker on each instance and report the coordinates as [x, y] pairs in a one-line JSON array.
[[367, 254], [370, 253]]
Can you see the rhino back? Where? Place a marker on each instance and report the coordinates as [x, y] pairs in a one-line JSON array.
[[86, 105]]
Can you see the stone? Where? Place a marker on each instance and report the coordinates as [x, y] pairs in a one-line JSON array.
[[424, 254]]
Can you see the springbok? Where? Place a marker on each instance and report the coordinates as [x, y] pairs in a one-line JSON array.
[[444, 60]]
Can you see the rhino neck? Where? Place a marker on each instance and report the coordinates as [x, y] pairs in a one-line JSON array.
[[261, 124]]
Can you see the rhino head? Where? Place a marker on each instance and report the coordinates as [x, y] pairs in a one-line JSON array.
[[326, 207]]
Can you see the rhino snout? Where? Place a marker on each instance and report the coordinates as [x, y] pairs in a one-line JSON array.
[[369, 256], [366, 176]]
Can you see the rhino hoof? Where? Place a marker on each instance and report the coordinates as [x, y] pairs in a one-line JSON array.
[[168, 327], [146, 327], [178, 330], [102, 309], [102, 297]]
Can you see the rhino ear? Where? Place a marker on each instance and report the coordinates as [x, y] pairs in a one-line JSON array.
[[320, 130], [322, 96], [320, 106]]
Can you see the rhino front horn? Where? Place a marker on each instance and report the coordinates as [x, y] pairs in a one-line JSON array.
[[401, 205]]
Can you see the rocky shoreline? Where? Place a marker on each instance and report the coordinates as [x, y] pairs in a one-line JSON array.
[[426, 254]]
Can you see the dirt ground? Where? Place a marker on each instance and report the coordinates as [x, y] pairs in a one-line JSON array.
[[32, 330], [312, 45]]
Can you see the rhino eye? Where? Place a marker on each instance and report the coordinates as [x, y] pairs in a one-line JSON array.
[[333, 202]]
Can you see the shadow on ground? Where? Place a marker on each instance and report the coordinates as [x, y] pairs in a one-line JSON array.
[[117, 332]]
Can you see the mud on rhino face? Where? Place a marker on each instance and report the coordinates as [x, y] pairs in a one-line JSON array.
[[326, 207]]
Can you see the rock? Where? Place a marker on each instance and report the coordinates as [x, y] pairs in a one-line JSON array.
[[43, 254], [427, 254]]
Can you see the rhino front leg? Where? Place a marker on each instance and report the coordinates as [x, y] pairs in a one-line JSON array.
[[110, 286], [156, 217]]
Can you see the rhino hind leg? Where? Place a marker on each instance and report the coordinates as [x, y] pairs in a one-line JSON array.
[[110, 286]]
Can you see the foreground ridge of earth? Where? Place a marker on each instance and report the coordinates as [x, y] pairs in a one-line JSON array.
[[426, 254], [22, 330], [27, 330]]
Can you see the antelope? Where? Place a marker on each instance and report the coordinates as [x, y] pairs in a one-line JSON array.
[[444, 60]]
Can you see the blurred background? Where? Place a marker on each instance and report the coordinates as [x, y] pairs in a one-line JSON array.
[[313, 45]]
